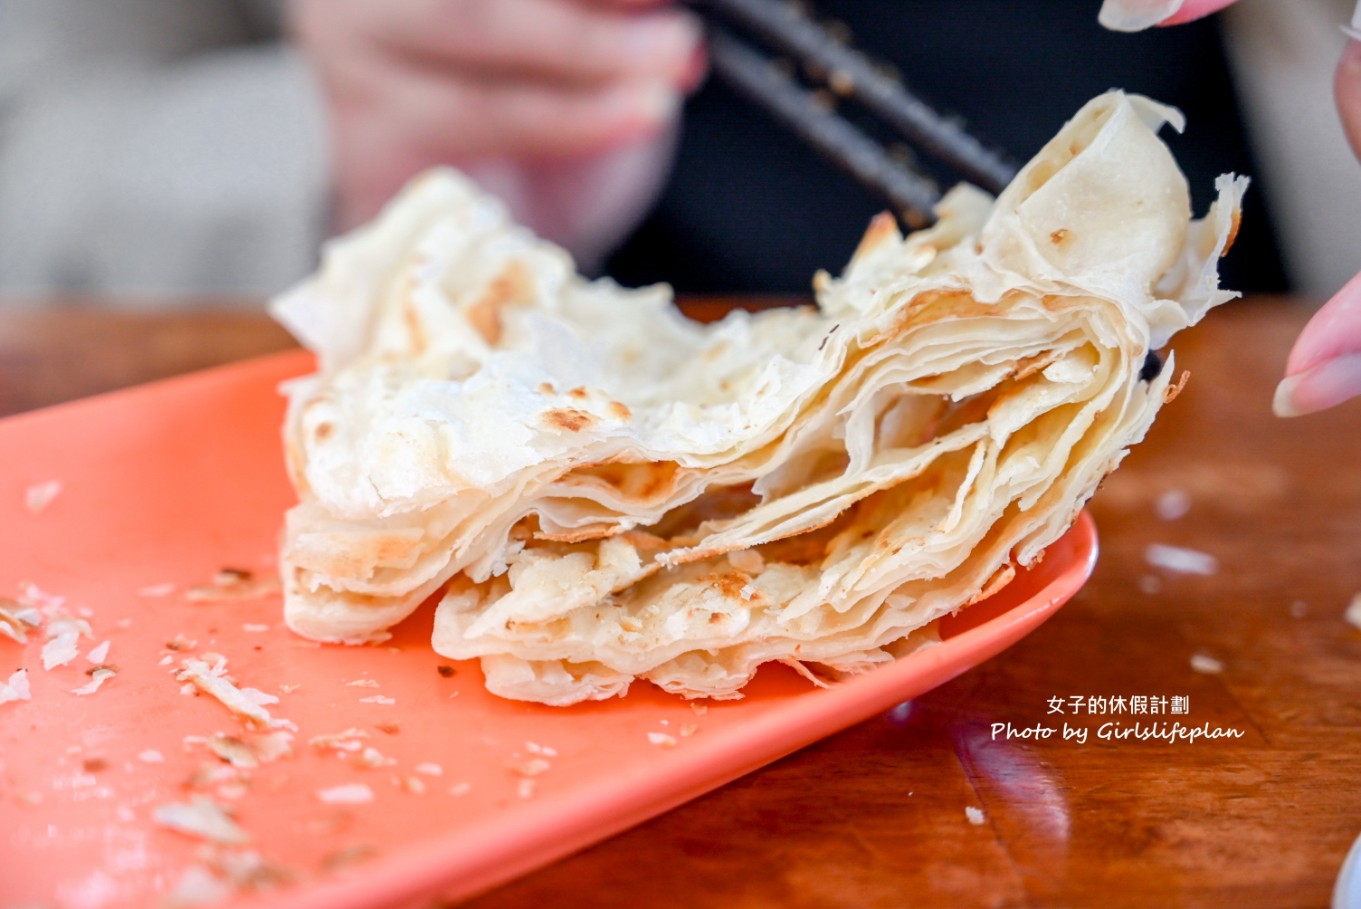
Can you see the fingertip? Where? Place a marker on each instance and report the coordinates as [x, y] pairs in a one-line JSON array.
[[1138, 15], [1283, 401], [1135, 15], [628, 113], [1192, 10], [657, 102], [697, 69], [663, 43], [1331, 332], [1324, 385]]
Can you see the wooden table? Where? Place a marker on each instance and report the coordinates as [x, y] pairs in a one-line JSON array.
[[876, 816]]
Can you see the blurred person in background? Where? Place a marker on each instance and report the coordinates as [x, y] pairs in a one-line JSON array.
[[155, 148], [159, 148]]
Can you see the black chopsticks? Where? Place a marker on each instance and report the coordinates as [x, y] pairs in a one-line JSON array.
[[846, 73]]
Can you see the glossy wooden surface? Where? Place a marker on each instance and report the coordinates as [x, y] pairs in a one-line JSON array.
[[876, 816]]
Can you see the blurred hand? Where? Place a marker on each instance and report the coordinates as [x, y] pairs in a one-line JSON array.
[[562, 107], [1324, 366]]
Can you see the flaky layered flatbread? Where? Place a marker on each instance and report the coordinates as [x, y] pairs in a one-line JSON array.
[[602, 490]]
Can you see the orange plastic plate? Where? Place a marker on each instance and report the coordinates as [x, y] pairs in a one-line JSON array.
[[164, 485]]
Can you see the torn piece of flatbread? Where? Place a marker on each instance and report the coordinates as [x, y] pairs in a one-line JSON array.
[[606, 491]]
